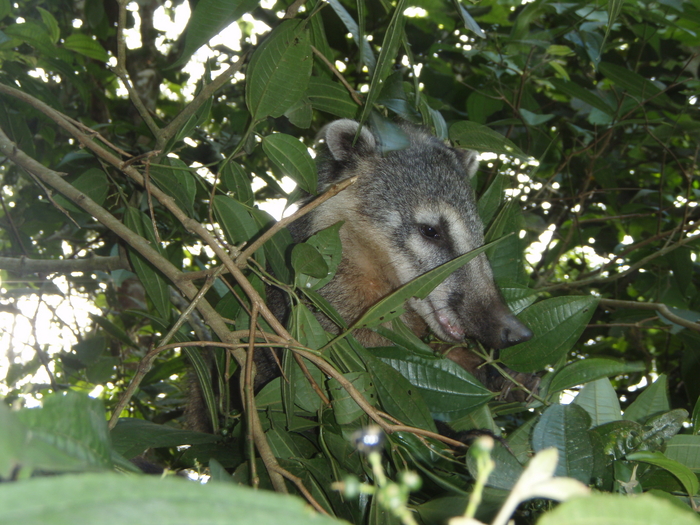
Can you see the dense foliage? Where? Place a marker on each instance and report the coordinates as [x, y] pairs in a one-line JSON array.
[[132, 183]]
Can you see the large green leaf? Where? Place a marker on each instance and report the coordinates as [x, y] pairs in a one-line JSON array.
[[584, 371], [599, 399], [685, 449], [111, 499], [398, 396], [613, 509], [448, 389], [292, 158], [681, 472], [557, 324], [652, 400], [565, 427], [69, 433], [279, 70]]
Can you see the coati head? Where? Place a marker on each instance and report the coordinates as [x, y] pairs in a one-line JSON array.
[[410, 211]]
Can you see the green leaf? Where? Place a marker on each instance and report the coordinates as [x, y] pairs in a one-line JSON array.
[[449, 391], [607, 509], [86, 45], [279, 71], [354, 30], [614, 8], [557, 324], [392, 305], [471, 135], [327, 243], [277, 247], [92, 182], [131, 437], [685, 449], [681, 472], [155, 285], [238, 181], [506, 470], [387, 56], [23, 450], [50, 23], [200, 117], [306, 260], [73, 423], [306, 329], [176, 181], [111, 499], [292, 158], [599, 399], [345, 409], [565, 427], [5, 8], [468, 21], [207, 20], [235, 219], [575, 90], [534, 119], [331, 97], [398, 396], [634, 83], [587, 370], [652, 400], [491, 200]]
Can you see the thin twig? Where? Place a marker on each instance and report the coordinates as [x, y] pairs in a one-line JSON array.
[[659, 307], [249, 397], [338, 74]]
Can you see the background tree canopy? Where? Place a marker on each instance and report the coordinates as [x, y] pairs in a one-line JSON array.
[[134, 159]]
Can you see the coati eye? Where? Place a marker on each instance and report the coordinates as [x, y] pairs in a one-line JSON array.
[[431, 232]]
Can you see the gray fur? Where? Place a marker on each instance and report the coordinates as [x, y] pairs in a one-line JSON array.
[[397, 199]]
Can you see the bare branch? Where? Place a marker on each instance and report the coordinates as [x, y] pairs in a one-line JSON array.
[[94, 263]]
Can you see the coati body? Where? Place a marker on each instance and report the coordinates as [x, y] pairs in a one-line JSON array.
[[409, 212]]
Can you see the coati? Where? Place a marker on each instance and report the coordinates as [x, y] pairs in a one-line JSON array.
[[409, 211]]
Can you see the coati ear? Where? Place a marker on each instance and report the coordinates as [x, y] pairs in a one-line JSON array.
[[340, 136], [469, 160]]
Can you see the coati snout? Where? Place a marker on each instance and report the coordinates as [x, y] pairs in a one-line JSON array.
[[409, 211]]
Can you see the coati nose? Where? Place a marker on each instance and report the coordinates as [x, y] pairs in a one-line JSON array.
[[514, 332]]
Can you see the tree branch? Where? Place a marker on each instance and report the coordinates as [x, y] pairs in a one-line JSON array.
[[95, 263]]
